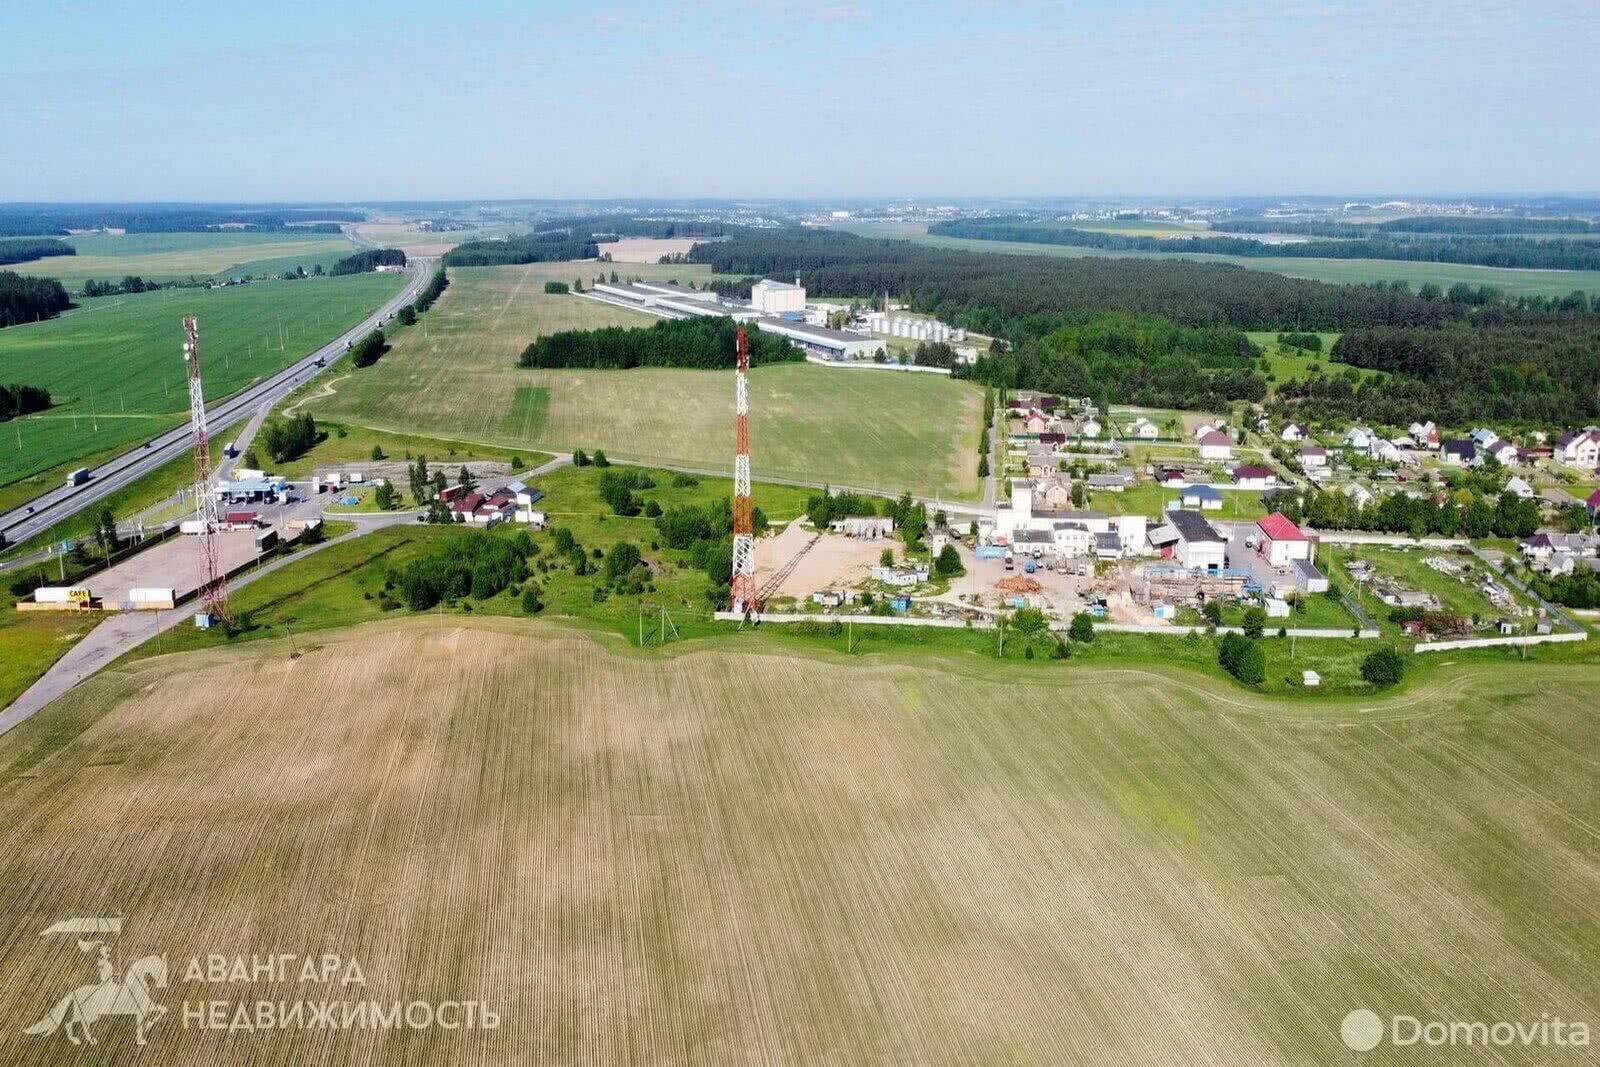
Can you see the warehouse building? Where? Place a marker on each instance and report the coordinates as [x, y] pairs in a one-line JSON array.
[[821, 341], [768, 297]]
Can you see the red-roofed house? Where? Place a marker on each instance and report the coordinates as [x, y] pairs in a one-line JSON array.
[[1249, 476], [1280, 541], [484, 508], [1216, 445]]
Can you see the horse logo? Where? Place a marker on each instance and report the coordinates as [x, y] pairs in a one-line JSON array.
[[109, 995]]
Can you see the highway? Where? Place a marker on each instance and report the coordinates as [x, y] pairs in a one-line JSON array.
[[51, 507]]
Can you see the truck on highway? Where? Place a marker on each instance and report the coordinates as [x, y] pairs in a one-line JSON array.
[[78, 477], [231, 450]]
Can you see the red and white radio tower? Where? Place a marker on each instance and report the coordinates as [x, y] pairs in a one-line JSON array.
[[213, 593], [743, 593]]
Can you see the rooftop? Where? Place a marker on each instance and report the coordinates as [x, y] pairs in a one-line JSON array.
[[1192, 526]]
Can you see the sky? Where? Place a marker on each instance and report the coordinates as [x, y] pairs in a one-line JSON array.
[[464, 99]]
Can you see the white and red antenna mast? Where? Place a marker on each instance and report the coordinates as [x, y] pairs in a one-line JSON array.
[[743, 592], [213, 594]]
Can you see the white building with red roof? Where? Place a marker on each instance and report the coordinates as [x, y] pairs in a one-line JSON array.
[[1216, 445], [1280, 542]]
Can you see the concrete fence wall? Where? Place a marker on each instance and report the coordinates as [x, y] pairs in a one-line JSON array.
[[1499, 642], [1343, 537]]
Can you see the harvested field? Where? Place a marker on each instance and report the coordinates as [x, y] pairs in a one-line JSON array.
[[742, 855], [455, 376], [645, 249]]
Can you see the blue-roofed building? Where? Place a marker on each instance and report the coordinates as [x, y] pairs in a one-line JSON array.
[[1201, 496]]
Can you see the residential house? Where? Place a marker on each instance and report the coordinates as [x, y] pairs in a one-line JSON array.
[[1279, 541], [1198, 545], [1107, 545], [1540, 547], [1502, 452], [1216, 445], [1089, 428], [1385, 451], [1145, 429], [1172, 478], [1205, 428], [1425, 434], [1359, 494], [1312, 457], [1519, 488], [1053, 493], [1036, 423], [1358, 437], [483, 507], [1459, 454], [1579, 449], [1483, 437], [1250, 476], [1294, 432], [1107, 483]]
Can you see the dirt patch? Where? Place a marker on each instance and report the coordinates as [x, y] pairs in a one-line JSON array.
[[834, 562]]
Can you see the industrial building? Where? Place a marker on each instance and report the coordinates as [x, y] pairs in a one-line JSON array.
[[829, 344], [768, 297], [1067, 534]]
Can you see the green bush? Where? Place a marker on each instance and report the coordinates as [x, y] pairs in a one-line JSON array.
[[1384, 666], [1082, 629]]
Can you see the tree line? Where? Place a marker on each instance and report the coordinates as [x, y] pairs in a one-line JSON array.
[[27, 299], [58, 219], [1118, 358], [523, 249], [25, 249], [1015, 295], [432, 291], [369, 260], [579, 227], [1543, 371], [284, 439], [706, 343], [18, 400], [1545, 254], [368, 350]]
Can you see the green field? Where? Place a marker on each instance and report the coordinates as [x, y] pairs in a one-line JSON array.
[[454, 375], [1514, 281], [744, 851], [167, 256], [115, 370]]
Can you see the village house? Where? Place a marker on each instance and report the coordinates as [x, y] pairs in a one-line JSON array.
[[1145, 429], [1579, 449], [1359, 438], [1250, 476], [1359, 494], [1459, 454], [1503, 452], [1519, 488], [1216, 445], [1312, 457], [1294, 432]]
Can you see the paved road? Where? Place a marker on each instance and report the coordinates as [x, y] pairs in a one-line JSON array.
[[123, 631], [62, 502]]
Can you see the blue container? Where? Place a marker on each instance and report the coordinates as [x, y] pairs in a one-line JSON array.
[[901, 603]]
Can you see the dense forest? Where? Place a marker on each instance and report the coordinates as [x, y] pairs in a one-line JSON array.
[[706, 343], [1015, 296], [1543, 371], [23, 220], [1118, 358], [369, 260], [22, 400], [583, 227], [24, 249], [30, 299], [530, 248], [1551, 254]]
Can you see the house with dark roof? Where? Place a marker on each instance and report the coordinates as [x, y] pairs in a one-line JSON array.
[[1201, 496], [1459, 454], [1252, 476], [1199, 546]]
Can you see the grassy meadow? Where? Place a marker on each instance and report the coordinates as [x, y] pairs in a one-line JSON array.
[[746, 850], [114, 365], [1515, 281], [454, 375], [167, 256]]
